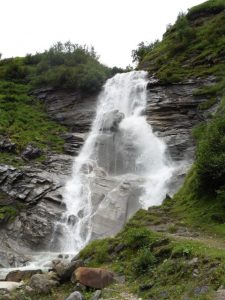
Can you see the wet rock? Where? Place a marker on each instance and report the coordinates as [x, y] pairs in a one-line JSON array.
[[41, 283], [18, 275], [75, 296], [94, 277], [65, 269], [73, 142], [31, 152], [111, 120], [97, 295]]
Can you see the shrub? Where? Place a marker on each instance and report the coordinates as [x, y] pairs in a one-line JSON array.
[[210, 162], [135, 238], [144, 261]]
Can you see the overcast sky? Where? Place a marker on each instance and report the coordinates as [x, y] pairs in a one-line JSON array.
[[113, 27]]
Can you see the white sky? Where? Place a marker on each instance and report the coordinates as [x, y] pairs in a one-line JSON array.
[[113, 27]]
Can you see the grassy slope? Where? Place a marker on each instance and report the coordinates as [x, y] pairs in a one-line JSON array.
[[193, 46], [156, 266]]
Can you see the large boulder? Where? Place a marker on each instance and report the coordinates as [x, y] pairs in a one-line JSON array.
[[94, 277], [65, 269], [42, 283], [111, 120], [19, 275]]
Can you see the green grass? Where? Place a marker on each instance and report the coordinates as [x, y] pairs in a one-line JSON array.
[[24, 121], [156, 266], [188, 49]]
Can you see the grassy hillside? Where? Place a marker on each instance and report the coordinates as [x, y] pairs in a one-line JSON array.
[[23, 119], [192, 47], [155, 265]]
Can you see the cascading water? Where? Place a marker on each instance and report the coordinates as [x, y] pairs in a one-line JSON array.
[[121, 146]]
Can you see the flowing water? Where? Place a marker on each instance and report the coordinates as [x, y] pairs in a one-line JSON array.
[[121, 144]]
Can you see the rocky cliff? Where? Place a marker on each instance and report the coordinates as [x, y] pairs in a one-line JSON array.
[[172, 110]]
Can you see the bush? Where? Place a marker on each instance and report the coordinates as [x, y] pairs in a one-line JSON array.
[[210, 161], [144, 261], [70, 66], [15, 72], [135, 238], [208, 7]]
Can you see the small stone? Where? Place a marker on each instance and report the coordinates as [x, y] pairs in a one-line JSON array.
[[195, 273], [201, 290], [80, 287], [97, 295], [28, 289], [120, 279], [145, 287], [193, 261], [75, 296]]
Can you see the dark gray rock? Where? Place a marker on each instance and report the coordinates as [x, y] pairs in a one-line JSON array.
[[6, 145], [72, 109], [73, 142], [31, 152], [65, 269], [172, 110]]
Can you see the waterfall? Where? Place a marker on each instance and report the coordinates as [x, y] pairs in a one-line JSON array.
[[121, 157]]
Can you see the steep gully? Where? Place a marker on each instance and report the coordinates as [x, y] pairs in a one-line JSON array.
[[171, 111]]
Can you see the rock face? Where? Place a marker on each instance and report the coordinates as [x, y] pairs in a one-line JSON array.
[[172, 111], [69, 108]]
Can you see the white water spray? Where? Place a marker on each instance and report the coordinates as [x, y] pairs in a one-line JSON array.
[[121, 144]]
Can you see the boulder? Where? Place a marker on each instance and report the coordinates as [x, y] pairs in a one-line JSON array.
[[75, 296], [18, 275], [94, 277], [41, 283], [111, 120], [65, 269], [6, 145], [31, 152]]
